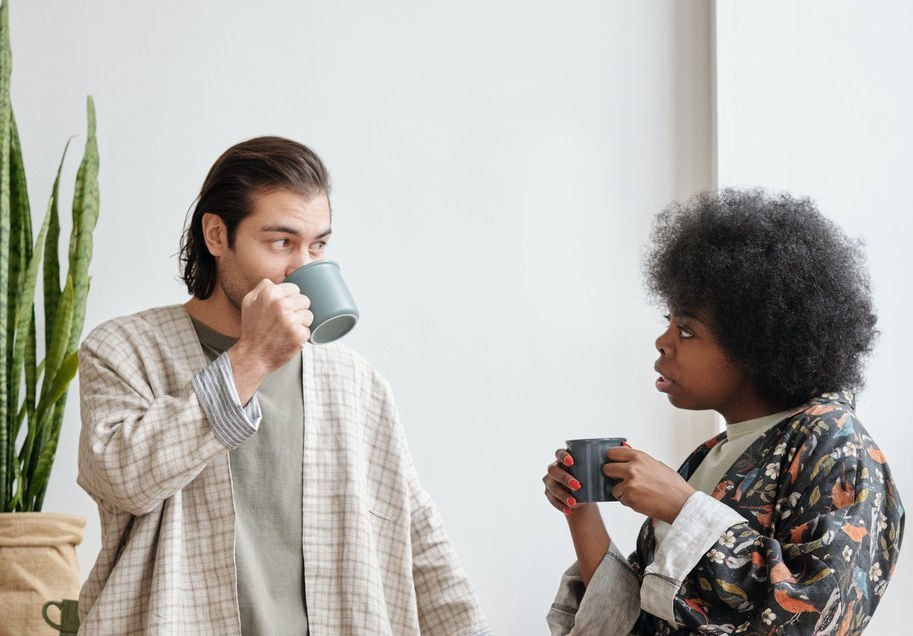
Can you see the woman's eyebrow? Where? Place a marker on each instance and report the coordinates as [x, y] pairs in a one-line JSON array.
[[683, 313]]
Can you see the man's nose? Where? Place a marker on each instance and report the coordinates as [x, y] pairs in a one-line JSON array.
[[300, 259]]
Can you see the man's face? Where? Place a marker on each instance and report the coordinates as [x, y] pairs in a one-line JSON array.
[[284, 231]]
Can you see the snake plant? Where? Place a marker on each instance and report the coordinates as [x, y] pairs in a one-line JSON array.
[[33, 394]]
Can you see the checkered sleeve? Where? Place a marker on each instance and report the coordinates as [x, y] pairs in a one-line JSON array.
[[446, 601], [140, 443]]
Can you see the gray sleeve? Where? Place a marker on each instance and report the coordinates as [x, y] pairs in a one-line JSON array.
[[698, 526], [215, 388], [608, 606]]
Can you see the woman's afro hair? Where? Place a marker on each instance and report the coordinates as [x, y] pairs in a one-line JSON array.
[[787, 289]]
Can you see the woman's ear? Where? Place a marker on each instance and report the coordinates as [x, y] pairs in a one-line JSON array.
[[215, 234]]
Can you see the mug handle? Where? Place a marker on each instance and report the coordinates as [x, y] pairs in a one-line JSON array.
[[44, 613]]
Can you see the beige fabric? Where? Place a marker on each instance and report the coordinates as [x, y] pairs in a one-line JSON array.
[[377, 560], [37, 564], [267, 528]]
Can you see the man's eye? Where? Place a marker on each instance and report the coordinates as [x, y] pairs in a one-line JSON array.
[[281, 243], [319, 247]]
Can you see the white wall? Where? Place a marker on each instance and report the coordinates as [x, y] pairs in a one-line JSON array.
[[815, 98], [496, 166]]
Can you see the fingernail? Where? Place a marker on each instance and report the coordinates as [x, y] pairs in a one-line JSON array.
[[575, 485], [567, 512], [626, 444], [568, 460], [571, 501]]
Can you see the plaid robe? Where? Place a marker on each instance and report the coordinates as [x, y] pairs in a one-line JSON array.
[[377, 560]]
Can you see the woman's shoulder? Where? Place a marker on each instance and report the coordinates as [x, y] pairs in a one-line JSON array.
[[829, 416], [827, 431]]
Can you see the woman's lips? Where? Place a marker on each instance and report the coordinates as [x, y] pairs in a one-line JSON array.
[[663, 385]]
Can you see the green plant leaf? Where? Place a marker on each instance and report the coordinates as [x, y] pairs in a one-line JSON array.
[[58, 387], [39, 466], [49, 452], [85, 216], [20, 251], [59, 338], [42, 473], [25, 304], [24, 328], [24, 472], [16, 499], [52, 258], [6, 444]]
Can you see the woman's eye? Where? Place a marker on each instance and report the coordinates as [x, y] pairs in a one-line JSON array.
[[684, 332]]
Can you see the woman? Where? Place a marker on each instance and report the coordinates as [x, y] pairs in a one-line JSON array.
[[787, 522]]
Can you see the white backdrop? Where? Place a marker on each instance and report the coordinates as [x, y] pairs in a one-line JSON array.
[[495, 164]]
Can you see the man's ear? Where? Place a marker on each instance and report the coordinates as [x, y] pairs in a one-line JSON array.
[[215, 234]]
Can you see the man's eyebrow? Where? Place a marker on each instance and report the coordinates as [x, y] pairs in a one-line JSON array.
[[285, 229]]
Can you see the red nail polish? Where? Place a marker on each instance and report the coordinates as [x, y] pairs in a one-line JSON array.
[[575, 485], [570, 501], [568, 460], [567, 512]]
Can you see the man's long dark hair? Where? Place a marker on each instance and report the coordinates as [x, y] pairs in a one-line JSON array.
[[250, 168]]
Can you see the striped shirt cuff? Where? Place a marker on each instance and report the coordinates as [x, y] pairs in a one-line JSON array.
[[698, 526], [215, 388]]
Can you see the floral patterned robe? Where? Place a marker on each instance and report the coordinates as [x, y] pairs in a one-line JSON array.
[[822, 536]]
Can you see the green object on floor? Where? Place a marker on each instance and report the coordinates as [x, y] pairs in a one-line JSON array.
[[69, 616]]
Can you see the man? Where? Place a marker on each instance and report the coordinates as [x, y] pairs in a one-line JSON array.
[[249, 482]]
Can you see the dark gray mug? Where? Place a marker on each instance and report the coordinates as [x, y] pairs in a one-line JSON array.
[[589, 458], [335, 313]]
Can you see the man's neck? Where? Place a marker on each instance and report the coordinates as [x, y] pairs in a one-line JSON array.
[[217, 313]]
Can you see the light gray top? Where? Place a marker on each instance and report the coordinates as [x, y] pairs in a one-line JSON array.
[[266, 484], [721, 457]]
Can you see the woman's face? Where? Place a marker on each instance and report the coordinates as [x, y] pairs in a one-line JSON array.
[[696, 373]]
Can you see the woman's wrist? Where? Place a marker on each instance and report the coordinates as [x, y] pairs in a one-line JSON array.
[[591, 540]]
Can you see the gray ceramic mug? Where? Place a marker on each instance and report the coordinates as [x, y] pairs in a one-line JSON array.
[[589, 458], [335, 313]]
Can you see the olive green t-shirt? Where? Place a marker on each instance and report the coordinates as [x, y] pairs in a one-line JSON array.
[[266, 475]]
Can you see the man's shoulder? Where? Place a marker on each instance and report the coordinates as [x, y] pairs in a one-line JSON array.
[[155, 322]]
